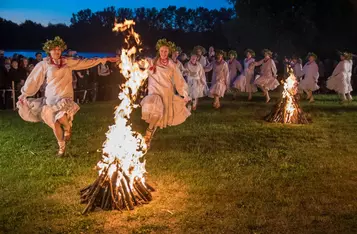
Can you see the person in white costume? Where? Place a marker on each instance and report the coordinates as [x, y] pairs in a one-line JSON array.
[[162, 107], [175, 54], [310, 74], [57, 108], [234, 66], [196, 79], [220, 78], [267, 81], [296, 65], [340, 80], [245, 81], [201, 58]]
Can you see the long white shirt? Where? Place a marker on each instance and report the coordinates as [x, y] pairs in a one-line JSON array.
[[311, 71], [58, 80]]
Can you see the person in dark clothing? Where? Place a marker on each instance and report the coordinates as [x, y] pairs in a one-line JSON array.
[[38, 58], [16, 76], [2, 58]]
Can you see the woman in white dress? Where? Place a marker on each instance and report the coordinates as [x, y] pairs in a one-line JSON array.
[[234, 66], [296, 65], [245, 81], [200, 52], [220, 78], [196, 79], [175, 54], [162, 107], [267, 81], [310, 74], [340, 80], [57, 108]]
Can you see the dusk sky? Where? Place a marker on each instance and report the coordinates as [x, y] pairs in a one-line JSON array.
[[61, 11]]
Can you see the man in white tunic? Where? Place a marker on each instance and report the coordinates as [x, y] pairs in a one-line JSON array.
[[245, 81], [310, 74], [340, 80], [267, 81], [162, 107], [57, 108]]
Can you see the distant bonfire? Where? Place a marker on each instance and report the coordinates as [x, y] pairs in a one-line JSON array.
[[288, 110]]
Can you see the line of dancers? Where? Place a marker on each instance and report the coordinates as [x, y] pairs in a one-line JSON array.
[[230, 75]]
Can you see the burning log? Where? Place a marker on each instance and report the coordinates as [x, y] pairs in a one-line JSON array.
[[288, 110], [121, 182], [115, 192]]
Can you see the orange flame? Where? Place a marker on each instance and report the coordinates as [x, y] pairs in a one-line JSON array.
[[290, 89], [123, 145]]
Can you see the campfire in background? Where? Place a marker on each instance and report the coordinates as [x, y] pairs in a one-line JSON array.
[[121, 183], [288, 110]]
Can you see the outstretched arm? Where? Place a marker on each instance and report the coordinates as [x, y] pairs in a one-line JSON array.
[[81, 64], [34, 81]]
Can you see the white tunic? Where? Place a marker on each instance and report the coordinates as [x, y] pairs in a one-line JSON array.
[[220, 78], [268, 73], [297, 69], [311, 75], [58, 99], [245, 82], [340, 80], [58, 80], [196, 79], [234, 67], [162, 101]]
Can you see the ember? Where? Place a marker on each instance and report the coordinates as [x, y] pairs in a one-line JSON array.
[[288, 110], [121, 183]]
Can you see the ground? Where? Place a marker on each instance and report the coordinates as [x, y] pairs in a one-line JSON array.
[[224, 171]]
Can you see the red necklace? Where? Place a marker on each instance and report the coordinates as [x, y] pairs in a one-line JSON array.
[[57, 65], [164, 62]]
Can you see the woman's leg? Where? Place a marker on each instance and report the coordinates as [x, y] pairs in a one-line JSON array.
[[267, 96], [249, 96], [151, 130], [58, 131], [66, 127]]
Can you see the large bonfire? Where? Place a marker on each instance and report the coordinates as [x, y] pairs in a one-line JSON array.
[[288, 110], [121, 182]]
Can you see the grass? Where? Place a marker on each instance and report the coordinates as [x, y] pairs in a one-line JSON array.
[[223, 171]]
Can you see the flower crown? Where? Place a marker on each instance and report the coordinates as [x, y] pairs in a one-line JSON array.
[[163, 42], [233, 52], [51, 44], [201, 48], [311, 54], [250, 51], [266, 51]]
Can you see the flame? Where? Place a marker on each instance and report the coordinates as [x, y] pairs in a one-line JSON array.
[[290, 90], [124, 148]]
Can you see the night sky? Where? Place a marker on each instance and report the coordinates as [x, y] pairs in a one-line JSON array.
[[61, 11]]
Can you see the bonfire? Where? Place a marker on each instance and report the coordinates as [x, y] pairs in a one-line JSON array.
[[121, 182], [288, 110]]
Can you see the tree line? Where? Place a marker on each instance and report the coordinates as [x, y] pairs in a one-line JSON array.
[[284, 26]]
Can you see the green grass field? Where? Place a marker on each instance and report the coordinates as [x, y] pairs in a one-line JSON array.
[[224, 171]]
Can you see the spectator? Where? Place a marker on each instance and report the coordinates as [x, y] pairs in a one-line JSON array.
[[16, 75], [7, 65], [38, 58], [2, 58], [24, 67], [104, 79]]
